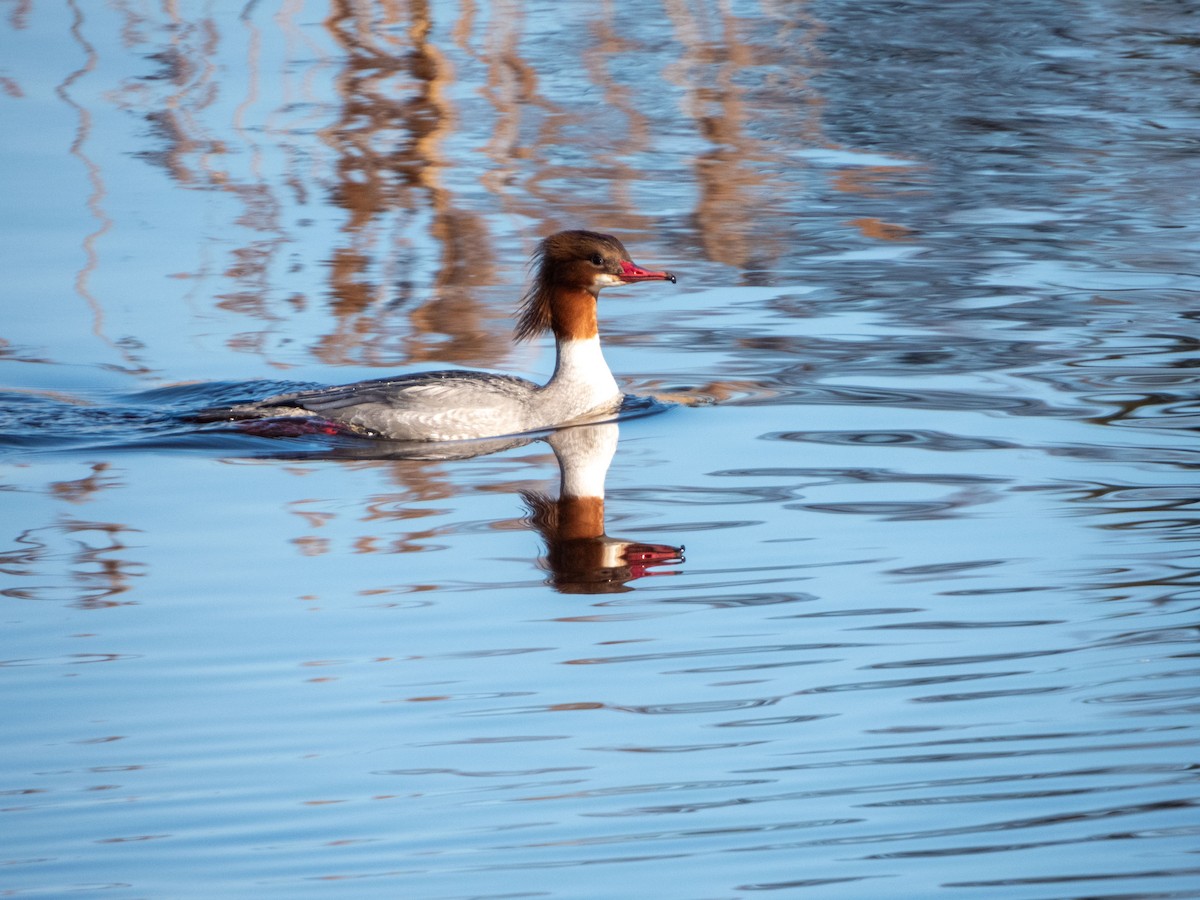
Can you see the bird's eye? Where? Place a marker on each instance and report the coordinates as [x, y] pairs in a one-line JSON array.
[[597, 259]]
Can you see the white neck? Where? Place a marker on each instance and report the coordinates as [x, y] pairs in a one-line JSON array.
[[581, 376]]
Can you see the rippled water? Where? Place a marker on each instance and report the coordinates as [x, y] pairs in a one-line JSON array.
[[922, 410]]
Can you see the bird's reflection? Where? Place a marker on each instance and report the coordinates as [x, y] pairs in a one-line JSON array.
[[580, 557]]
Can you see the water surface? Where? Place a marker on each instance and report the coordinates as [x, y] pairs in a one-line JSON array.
[[925, 422]]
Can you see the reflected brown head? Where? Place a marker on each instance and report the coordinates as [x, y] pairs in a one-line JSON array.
[[581, 558], [572, 267]]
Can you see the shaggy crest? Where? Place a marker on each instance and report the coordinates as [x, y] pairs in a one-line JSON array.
[[555, 261]]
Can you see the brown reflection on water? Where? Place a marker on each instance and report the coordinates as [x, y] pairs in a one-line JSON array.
[[100, 565], [561, 161], [512, 89], [393, 119], [98, 573], [737, 81], [731, 185], [177, 97], [98, 191], [391, 516], [82, 490], [382, 114], [19, 17], [551, 161], [86, 563]]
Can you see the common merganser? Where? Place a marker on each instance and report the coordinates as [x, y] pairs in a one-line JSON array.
[[572, 268]]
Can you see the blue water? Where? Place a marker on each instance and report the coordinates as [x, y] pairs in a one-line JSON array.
[[896, 588]]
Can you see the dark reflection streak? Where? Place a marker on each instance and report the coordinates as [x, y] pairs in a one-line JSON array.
[[98, 190], [1009, 796], [722, 651], [920, 682], [1168, 635], [822, 477], [740, 601], [1087, 815], [758, 667], [942, 784], [977, 755], [994, 827], [19, 17], [826, 824], [969, 660], [678, 834], [1188, 578], [937, 625], [659, 787], [1107, 876]]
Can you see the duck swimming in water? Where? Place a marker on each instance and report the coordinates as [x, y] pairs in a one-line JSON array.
[[572, 268]]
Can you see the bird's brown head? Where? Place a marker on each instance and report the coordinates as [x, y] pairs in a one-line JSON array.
[[572, 267]]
